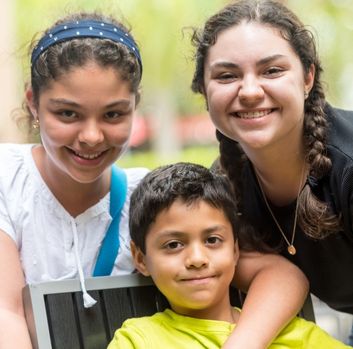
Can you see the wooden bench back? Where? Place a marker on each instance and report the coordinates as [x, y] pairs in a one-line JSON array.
[[57, 319]]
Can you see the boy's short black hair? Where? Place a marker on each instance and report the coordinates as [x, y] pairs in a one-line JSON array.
[[186, 181]]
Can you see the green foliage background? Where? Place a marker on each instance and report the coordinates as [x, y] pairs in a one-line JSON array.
[[159, 27], [166, 50]]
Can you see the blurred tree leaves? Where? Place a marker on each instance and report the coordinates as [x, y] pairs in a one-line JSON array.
[[167, 54], [157, 26], [332, 22]]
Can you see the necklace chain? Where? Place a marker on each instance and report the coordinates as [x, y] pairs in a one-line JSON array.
[[291, 249]]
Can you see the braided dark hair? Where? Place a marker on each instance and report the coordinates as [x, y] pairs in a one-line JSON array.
[[314, 216]]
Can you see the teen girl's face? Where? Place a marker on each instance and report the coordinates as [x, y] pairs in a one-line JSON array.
[[85, 121], [254, 86], [191, 256]]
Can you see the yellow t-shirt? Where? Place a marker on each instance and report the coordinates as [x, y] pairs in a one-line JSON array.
[[168, 330]]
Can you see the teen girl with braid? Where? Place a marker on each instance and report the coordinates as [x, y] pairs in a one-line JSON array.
[[288, 153], [55, 204]]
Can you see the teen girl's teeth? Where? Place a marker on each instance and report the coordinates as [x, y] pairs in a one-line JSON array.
[[253, 114]]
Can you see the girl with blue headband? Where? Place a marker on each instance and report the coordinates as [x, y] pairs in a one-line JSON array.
[[58, 219]]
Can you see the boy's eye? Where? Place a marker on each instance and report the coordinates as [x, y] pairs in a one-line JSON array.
[[213, 240], [173, 245], [113, 115]]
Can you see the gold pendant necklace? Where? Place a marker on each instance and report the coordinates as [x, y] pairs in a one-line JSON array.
[[291, 249]]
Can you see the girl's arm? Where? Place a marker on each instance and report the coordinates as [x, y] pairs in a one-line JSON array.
[[13, 328], [276, 290]]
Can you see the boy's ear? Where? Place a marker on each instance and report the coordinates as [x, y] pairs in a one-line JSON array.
[[139, 259]]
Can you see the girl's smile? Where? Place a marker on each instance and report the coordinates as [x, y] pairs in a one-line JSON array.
[[85, 121], [254, 84]]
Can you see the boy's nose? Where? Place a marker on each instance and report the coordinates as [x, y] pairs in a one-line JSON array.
[[197, 257], [91, 133]]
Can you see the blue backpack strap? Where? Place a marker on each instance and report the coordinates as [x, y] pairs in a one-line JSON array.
[[110, 245]]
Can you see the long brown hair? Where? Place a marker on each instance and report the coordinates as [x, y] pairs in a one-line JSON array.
[[314, 216]]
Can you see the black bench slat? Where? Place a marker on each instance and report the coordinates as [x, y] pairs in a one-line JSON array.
[[63, 324], [57, 318], [143, 300], [91, 323], [117, 308]]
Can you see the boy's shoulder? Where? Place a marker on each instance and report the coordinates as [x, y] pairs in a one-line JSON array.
[[140, 332], [146, 322], [300, 333], [170, 330]]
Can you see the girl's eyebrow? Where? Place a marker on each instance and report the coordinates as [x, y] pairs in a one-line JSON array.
[[224, 64], [64, 101], [232, 65], [269, 59], [120, 103], [60, 101]]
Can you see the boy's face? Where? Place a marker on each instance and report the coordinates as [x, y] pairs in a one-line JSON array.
[[191, 256]]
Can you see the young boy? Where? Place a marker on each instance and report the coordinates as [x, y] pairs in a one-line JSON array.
[[183, 225]]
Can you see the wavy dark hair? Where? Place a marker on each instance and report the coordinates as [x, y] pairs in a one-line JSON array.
[[190, 183], [314, 216], [60, 58]]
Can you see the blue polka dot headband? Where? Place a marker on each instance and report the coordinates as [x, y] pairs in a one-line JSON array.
[[85, 29]]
